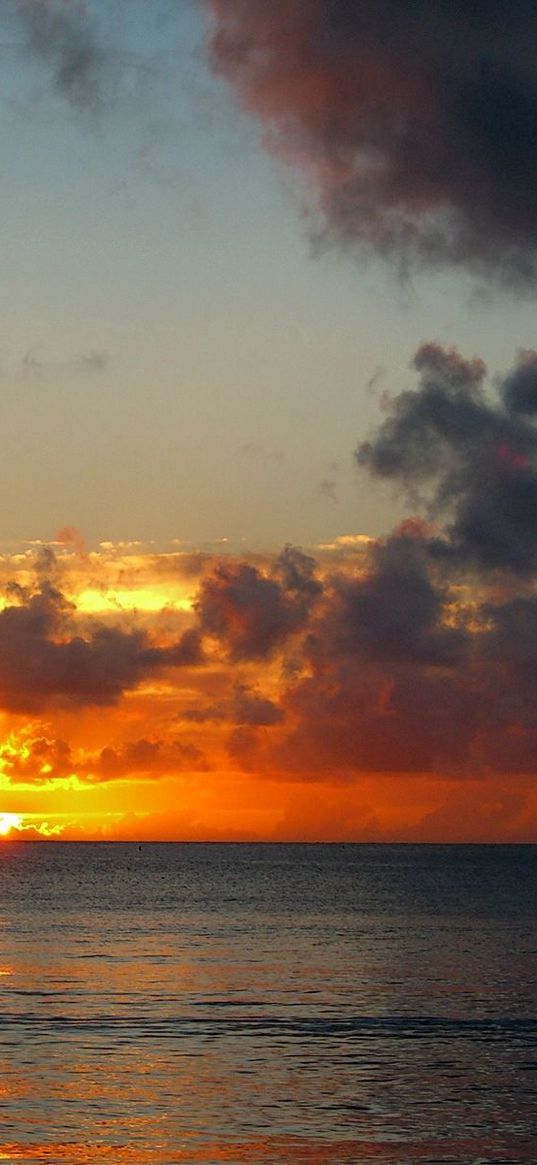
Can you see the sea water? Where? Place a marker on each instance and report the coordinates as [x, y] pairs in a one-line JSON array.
[[323, 1004]]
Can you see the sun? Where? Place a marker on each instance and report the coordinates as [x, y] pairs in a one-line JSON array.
[[9, 821]]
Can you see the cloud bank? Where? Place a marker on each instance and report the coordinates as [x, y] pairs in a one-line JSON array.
[[417, 655], [425, 660], [410, 654], [478, 457]]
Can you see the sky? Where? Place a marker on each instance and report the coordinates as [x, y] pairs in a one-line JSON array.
[[268, 384]]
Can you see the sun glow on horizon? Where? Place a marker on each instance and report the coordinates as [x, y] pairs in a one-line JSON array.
[[8, 822]]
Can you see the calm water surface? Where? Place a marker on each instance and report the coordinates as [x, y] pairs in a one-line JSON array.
[[278, 1003]]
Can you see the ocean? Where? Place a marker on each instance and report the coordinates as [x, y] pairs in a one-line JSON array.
[[322, 1004]]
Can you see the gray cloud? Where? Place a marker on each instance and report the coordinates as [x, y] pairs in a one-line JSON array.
[[92, 363], [416, 123], [397, 611], [474, 457]]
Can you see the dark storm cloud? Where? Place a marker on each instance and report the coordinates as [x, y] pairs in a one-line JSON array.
[[387, 660], [421, 657], [253, 709], [509, 652], [44, 662], [520, 387], [253, 614], [297, 573], [62, 35], [476, 457], [147, 758], [354, 716], [415, 123], [246, 707], [396, 612]]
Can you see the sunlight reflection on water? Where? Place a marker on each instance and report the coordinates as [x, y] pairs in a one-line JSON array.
[[268, 1004]]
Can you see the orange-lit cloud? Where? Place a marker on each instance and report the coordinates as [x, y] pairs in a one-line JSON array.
[[70, 536], [361, 690], [46, 661]]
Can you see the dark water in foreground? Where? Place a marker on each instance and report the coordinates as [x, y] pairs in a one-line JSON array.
[[317, 1004]]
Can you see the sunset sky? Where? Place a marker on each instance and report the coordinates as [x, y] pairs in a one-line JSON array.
[[268, 535]]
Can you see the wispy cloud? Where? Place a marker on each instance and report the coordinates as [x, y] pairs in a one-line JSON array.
[[65, 38]]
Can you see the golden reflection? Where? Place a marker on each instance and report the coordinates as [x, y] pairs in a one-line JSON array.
[[279, 1150]]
